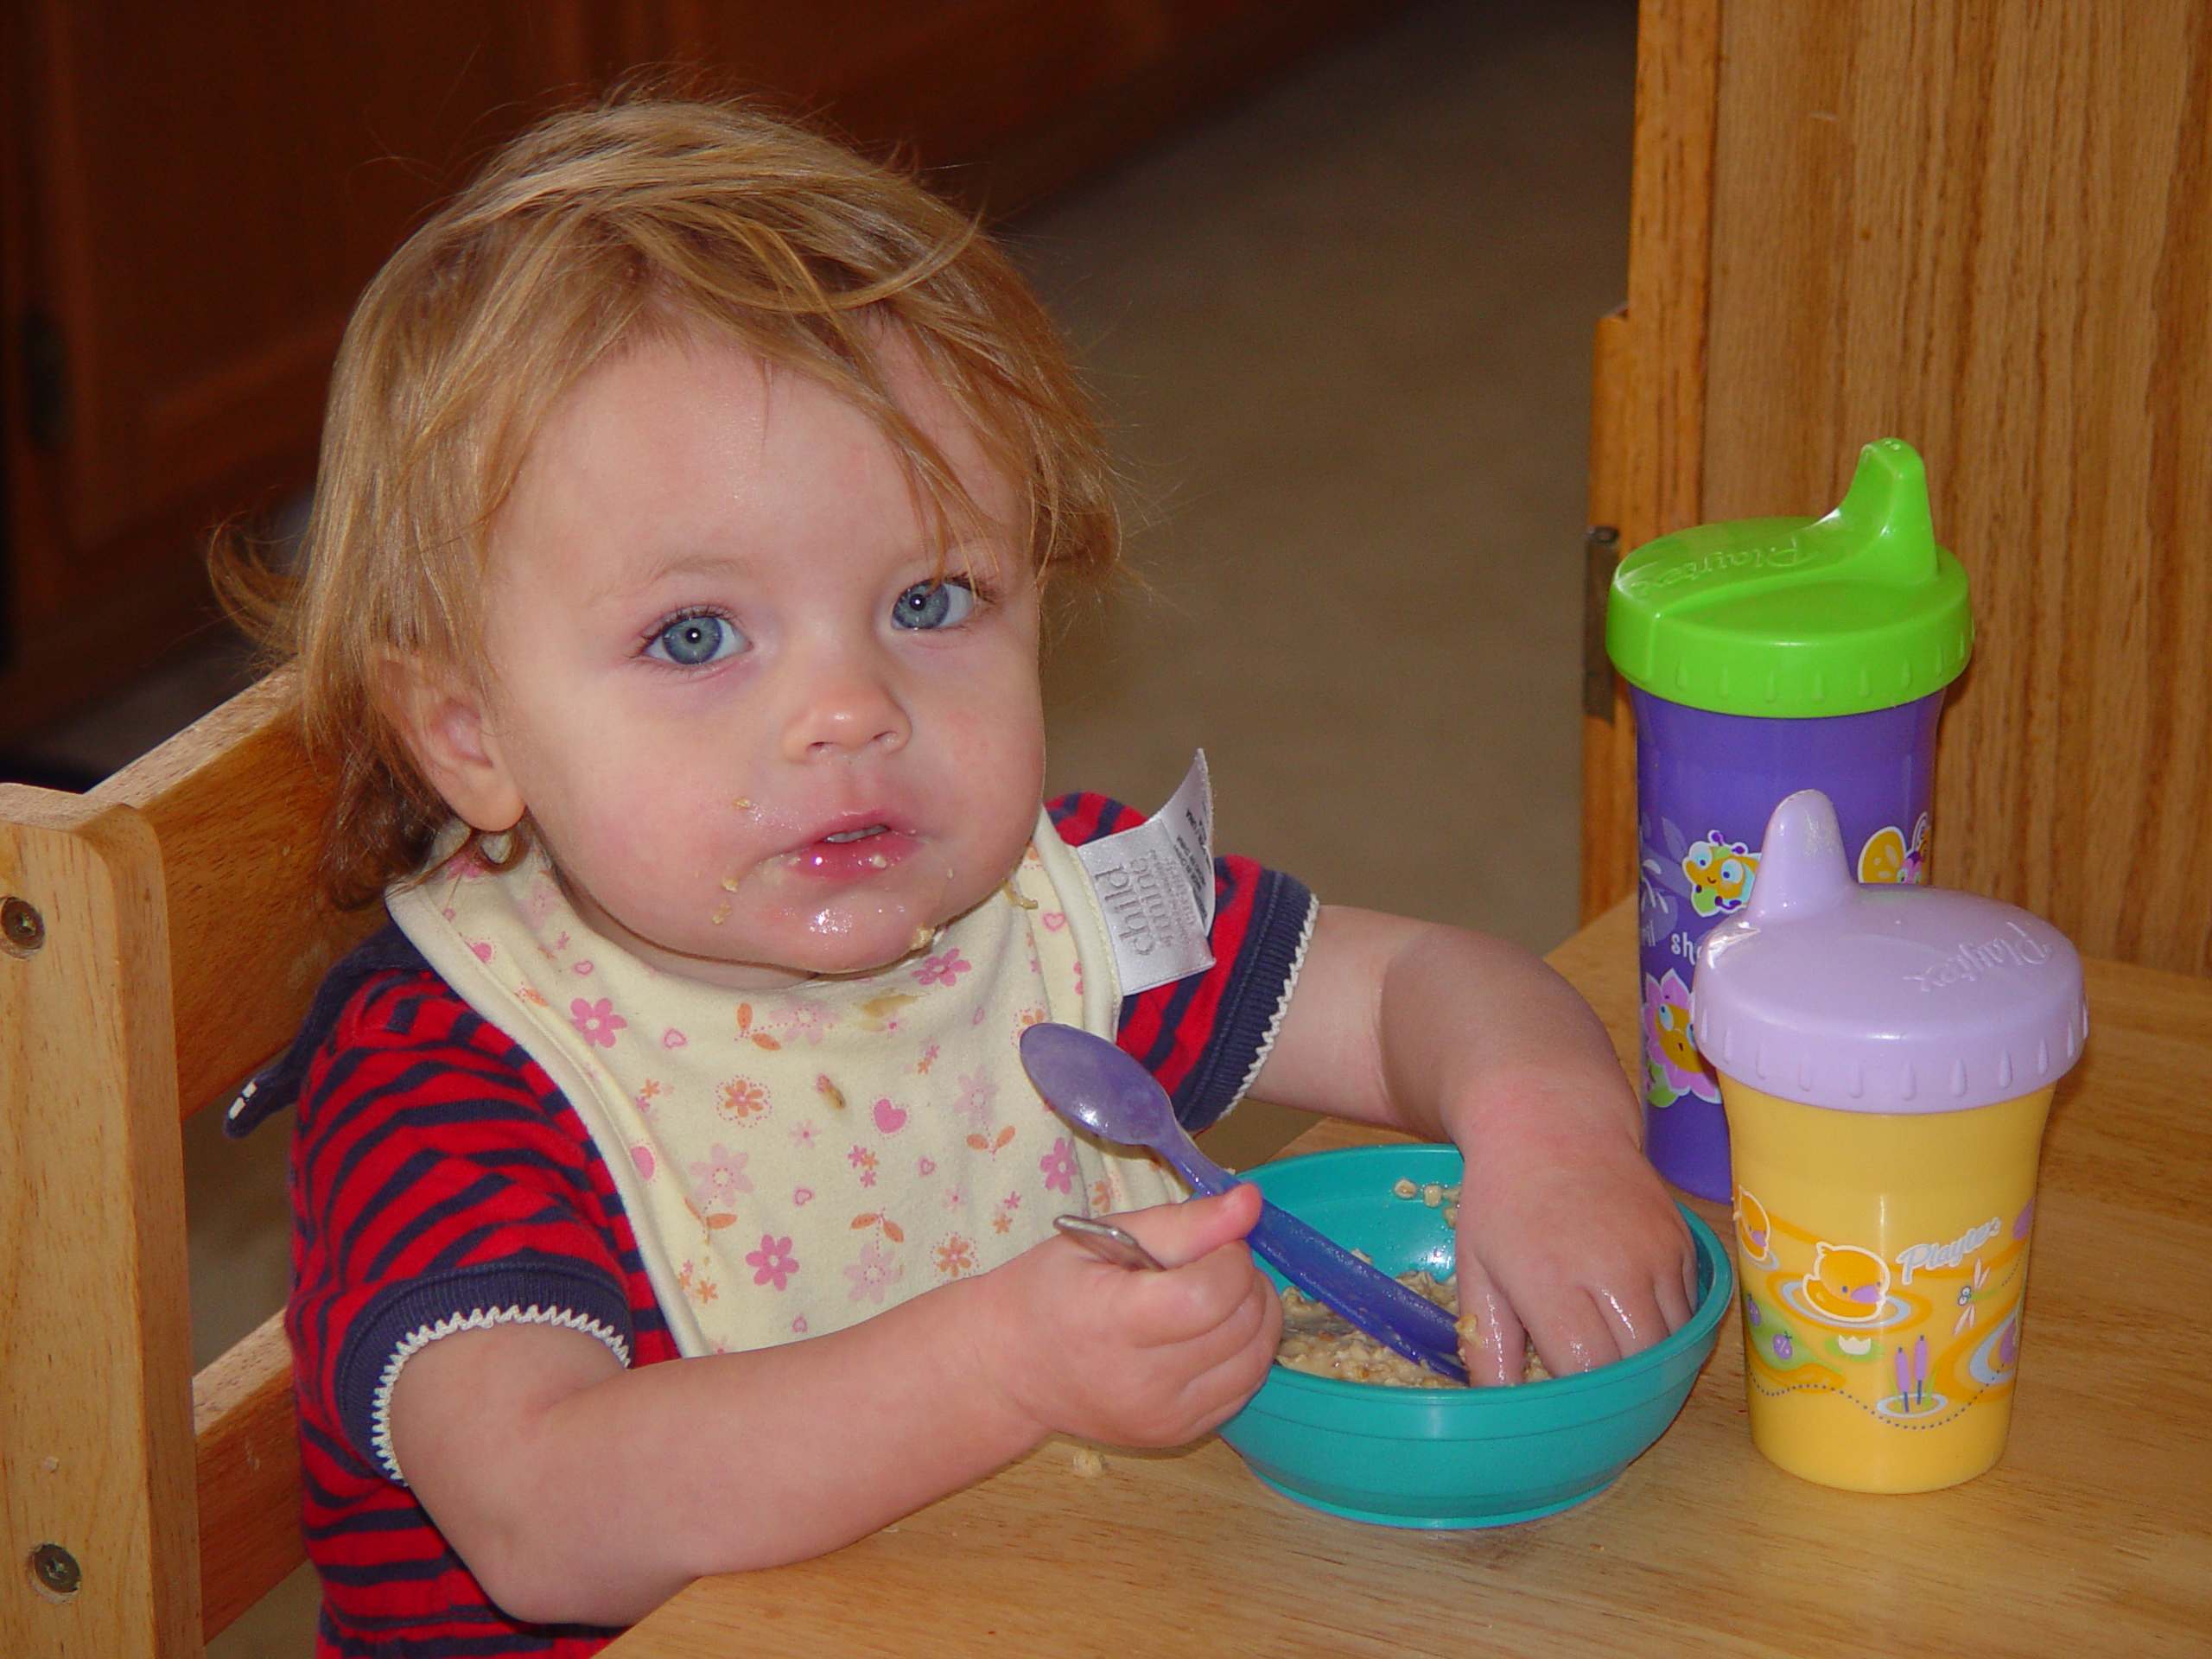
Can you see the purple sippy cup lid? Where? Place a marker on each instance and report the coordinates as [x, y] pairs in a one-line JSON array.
[[1880, 998]]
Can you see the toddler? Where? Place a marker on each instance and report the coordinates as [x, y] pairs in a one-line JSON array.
[[691, 496]]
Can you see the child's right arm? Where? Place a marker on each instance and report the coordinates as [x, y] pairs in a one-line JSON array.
[[579, 1492]]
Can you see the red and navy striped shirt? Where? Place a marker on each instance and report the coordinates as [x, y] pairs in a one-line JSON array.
[[440, 1179]]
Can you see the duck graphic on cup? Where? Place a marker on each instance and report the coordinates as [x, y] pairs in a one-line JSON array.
[[1754, 1231], [1847, 1285]]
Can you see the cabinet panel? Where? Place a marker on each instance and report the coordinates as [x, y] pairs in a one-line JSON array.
[[205, 208]]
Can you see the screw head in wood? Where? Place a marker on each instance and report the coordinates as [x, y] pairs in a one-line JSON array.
[[56, 1569], [21, 926]]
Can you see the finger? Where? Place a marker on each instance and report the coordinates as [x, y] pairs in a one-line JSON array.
[[1634, 1322], [1492, 1339], [1186, 1304], [1678, 1298], [1252, 1323], [1181, 1233], [1219, 1391]]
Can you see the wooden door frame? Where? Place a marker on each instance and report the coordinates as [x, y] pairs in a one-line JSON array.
[[1646, 428]]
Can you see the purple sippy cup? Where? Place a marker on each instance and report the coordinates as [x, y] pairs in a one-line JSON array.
[[1765, 656]]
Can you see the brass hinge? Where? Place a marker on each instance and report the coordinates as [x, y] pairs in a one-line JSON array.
[[1601, 548]]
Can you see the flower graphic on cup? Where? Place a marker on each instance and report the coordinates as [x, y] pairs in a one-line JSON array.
[[1672, 1065]]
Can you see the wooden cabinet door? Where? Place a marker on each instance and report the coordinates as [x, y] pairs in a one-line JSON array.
[[193, 193], [197, 194]]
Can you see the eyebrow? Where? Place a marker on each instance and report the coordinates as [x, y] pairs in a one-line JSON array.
[[687, 564]]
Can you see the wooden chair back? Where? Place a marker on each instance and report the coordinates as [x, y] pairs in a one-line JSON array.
[[160, 938]]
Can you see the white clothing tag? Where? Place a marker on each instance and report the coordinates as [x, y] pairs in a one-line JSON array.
[[1156, 885]]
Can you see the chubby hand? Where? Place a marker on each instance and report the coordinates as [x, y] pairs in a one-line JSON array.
[[1130, 1356], [1568, 1235]]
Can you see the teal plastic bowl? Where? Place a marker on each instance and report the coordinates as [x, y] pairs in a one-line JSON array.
[[1443, 1457]]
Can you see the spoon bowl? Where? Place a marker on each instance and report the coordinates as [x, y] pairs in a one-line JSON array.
[[1093, 1084]]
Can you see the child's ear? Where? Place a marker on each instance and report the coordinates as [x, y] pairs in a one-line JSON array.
[[441, 717]]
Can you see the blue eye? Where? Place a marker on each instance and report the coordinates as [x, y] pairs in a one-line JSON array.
[[933, 604], [691, 641]]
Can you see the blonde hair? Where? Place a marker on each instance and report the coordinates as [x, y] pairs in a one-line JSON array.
[[595, 229]]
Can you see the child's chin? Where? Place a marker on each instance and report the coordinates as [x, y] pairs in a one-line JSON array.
[[847, 955]]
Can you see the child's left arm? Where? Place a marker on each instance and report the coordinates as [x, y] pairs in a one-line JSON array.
[[1564, 1229]]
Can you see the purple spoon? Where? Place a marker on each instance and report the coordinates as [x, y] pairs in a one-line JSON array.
[[1095, 1086]]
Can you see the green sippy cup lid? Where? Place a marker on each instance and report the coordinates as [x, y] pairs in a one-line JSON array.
[[1798, 618]]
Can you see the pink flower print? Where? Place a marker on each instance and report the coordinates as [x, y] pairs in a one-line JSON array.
[[875, 1274], [928, 1059], [954, 1197], [773, 1263], [802, 1020], [673, 1038], [596, 1021], [802, 1136], [944, 969], [863, 1161], [643, 1158], [1058, 1165], [955, 1256], [742, 1100], [977, 1091], [721, 1177]]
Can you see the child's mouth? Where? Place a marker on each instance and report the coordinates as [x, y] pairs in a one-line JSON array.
[[852, 855]]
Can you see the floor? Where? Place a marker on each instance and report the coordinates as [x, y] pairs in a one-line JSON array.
[[1341, 333]]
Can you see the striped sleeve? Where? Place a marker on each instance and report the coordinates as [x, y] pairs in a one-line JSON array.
[[433, 1193], [439, 1182], [1205, 1037]]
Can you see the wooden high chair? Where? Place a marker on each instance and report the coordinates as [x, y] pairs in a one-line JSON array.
[[160, 937]]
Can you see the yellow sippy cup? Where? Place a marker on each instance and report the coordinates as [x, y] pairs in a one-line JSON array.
[[1887, 1057]]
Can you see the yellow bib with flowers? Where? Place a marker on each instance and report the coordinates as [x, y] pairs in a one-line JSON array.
[[795, 1160]]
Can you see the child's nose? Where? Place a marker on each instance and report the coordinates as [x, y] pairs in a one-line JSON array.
[[845, 705]]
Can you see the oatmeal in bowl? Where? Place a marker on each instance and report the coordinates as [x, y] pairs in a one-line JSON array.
[[1343, 1426], [1321, 1342]]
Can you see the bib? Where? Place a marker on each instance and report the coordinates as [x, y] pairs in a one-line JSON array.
[[793, 1161]]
